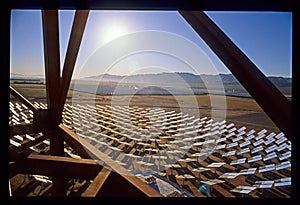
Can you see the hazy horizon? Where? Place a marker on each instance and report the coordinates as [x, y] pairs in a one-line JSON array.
[[28, 75]]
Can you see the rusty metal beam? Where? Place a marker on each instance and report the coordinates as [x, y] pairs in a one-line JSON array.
[[73, 141], [90, 151], [55, 166], [136, 187], [77, 31], [59, 187], [56, 143], [52, 71], [270, 99], [118, 174], [96, 185], [25, 129], [22, 99], [15, 155], [52, 61], [28, 143]]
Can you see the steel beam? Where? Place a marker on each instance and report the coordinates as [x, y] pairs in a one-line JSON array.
[[52, 71], [22, 99], [136, 187], [127, 183], [25, 129], [78, 27], [73, 141], [94, 188], [55, 166], [28, 143], [270, 99], [52, 61]]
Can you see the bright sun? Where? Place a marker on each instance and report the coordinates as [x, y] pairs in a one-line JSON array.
[[113, 31]]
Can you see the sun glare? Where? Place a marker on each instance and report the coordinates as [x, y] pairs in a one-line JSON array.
[[112, 31]]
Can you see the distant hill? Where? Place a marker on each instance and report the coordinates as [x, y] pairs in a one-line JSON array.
[[17, 76], [177, 83], [167, 78], [281, 81], [170, 78]]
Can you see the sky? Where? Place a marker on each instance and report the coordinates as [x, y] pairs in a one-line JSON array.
[[137, 42]]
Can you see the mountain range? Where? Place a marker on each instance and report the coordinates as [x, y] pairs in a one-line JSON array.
[[228, 80], [167, 78], [18, 76]]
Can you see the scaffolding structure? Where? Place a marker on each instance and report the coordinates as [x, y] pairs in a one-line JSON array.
[[49, 121]]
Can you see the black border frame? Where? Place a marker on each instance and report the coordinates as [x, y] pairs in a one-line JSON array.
[[205, 5]]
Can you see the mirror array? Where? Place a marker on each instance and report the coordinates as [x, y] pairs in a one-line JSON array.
[[175, 153]]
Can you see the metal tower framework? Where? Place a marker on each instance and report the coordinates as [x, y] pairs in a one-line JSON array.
[[49, 121]]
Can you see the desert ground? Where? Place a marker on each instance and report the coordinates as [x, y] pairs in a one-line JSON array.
[[238, 110]]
